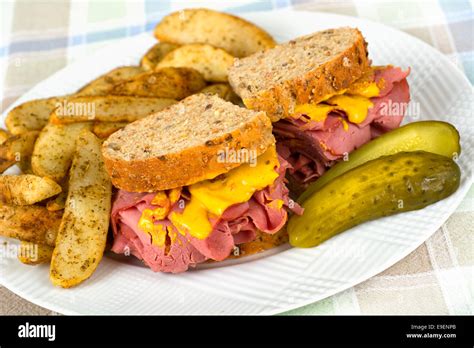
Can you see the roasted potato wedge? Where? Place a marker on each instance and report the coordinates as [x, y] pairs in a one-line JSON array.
[[105, 129], [210, 61], [235, 35], [111, 108], [53, 151], [4, 135], [155, 54], [18, 149], [82, 235], [29, 223], [25, 166], [34, 254], [103, 84], [5, 164], [26, 189], [222, 90], [173, 83], [32, 115], [59, 201]]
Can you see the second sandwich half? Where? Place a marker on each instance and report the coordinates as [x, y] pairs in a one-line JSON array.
[[324, 97]]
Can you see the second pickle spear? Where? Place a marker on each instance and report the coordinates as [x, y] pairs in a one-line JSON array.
[[385, 186]]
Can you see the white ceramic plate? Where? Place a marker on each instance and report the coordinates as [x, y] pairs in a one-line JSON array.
[[289, 278]]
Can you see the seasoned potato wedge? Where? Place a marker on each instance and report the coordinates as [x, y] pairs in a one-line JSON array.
[[53, 151], [111, 108], [174, 83], [155, 54], [5, 164], [4, 135], [235, 35], [59, 201], [18, 149], [223, 90], [32, 115], [105, 129], [210, 61], [29, 223], [103, 84], [7, 153], [34, 254], [82, 236], [26, 189]]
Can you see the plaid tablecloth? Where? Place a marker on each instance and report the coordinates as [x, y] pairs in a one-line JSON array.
[[40, 37]]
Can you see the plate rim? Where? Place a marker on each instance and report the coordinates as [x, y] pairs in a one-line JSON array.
[[24, 97]]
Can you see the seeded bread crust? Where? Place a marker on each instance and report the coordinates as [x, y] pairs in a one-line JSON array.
[[184, 165], [278, 97]]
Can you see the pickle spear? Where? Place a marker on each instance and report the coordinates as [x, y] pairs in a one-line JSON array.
[[430, 136], [384, 186]]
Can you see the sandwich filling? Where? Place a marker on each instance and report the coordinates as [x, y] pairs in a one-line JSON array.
[[316, 136], [176, 229]]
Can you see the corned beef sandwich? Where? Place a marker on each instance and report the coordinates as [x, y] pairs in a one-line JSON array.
[[194, 181], [324, 98]]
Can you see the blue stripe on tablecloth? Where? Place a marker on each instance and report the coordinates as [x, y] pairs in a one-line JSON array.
[[153, 6], [77, 40], [150, 25], [106, 35], [256, 6], [39, 45], [36, 45], [282, 3], [62, 42], [135, 30]]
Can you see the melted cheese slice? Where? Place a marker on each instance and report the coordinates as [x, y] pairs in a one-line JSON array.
[[364, 89], [194, 218], [157, 232], [210, 198], [354, 106], [354, 101], [316, 112]]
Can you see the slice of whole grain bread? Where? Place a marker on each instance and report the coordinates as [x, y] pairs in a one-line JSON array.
[[304, 70], [181, 144]]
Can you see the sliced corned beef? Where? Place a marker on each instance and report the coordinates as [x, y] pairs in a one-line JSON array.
[[312, 147], [238, 224], [129, 239]]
